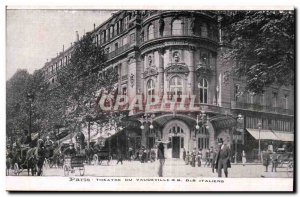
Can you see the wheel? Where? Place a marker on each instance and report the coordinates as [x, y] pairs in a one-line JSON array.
[[81, 171], [16, 169], [290, 169], [66, 170], [95, 159]]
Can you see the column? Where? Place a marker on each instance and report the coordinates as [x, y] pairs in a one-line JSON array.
[[161, 72], [191, 76]]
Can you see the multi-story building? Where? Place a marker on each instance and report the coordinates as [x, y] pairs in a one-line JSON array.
[[177, 56]]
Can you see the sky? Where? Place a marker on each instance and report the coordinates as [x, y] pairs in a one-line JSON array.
[[33, 36]]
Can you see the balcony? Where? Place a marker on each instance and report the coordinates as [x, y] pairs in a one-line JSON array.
[[261, 108], [117, 52]]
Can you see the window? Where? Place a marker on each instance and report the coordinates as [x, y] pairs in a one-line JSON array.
[[286, 101], [150, 89], [203, 138], [204, 32], [124, 40], [111, 33], [132, 38], [150, 32], [203, 85], [236, 92], [104, 35], [116, 46], [177, 27], [116, 29], [107, 50], [176, 87], [274, 99]]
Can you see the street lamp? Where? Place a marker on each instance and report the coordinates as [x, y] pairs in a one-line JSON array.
[[147, 118], [240, 120], [30, 98], [259, 129], [203, 119]]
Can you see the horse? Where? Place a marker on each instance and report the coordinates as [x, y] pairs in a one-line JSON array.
[[35, 158]]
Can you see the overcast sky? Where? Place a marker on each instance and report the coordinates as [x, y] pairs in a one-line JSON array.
[[33, 36]]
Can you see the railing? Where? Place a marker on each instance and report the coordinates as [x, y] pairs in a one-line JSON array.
[[262, 108], [117, 51], [185, 32]]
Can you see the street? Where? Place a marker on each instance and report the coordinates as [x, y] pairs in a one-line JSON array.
[[172, 168]]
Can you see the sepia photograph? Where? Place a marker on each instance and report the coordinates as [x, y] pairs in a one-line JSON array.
[[150, 99]]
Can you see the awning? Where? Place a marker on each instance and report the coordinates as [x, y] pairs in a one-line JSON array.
[[262, 134], [285, 136], [223, 122]]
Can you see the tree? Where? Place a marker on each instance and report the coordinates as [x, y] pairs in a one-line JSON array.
[[262, 44]]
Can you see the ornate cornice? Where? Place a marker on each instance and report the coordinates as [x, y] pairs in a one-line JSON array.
[[177, 68], [150, 71]]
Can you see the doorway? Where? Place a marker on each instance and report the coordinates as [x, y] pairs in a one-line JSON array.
[[176, 147]]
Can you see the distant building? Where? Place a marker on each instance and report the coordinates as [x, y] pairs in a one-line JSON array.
[[177, 53]]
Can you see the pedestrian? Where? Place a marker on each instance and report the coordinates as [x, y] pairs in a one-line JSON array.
[[199, 158], [266, 159], [274, 159], [120, 157], [161, 158], [193, 158], [184, 154], [211, 152], [213, 162], [206, 157], [223, 158], [187, 158], [244, 158]]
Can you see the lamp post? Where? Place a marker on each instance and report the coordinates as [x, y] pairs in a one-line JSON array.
[[30, 98], [259, 129], [146, 119], [240, 120], [203, 119]]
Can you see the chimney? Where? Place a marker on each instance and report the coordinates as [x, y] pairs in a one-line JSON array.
[[63, 48], [71, 44], [77, 36], [94, 26]]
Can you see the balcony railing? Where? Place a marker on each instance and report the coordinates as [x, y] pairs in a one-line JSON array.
[[261, 108], [117, 51]]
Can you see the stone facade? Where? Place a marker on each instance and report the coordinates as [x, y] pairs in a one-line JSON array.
[[176, 53]]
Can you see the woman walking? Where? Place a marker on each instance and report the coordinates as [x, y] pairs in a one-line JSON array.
[[244, 158], [161, 158]]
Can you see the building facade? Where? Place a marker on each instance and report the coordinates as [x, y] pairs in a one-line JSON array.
[[173, 60]]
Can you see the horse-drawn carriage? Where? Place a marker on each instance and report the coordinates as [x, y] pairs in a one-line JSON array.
[[25, 157], [285, 160], [74, 162]]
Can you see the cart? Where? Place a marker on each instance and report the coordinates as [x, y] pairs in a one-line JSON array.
[[286, 160], [73, 162]]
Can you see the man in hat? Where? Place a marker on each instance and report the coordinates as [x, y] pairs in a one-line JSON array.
[[223, 158], [70, 151]]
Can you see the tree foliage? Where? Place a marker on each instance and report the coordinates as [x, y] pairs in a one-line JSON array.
[[263, 45], [66, 104]]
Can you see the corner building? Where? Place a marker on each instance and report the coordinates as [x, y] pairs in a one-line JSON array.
[[177, 53]]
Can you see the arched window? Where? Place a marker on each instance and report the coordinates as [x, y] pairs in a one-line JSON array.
[[177, 27], [203, 86], [150, 32], [204, 32], [176, 87], [151, 89]]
